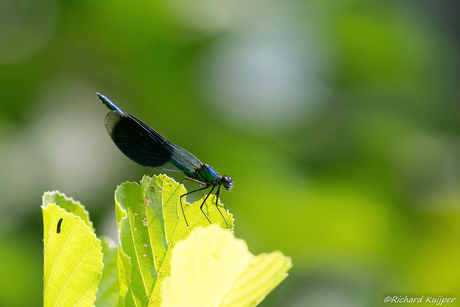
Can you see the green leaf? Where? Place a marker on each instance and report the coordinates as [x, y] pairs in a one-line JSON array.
[[124, 277], [68, 204], [150, 223], [108, 292], [212, 268], [72, 254]]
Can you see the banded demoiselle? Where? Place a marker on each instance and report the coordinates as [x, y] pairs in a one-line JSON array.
[[148, 148]]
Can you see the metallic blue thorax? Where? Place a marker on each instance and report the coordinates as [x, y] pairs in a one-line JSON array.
[[207, 174]]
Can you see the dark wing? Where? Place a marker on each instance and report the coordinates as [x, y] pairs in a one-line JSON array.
[[140, 143], [184, 160]]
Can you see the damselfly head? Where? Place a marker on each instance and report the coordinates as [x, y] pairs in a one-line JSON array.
[[227, 182]]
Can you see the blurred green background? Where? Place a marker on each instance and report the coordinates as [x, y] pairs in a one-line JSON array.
[[338, 121]]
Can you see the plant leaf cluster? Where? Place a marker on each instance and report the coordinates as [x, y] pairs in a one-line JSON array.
[[146, 268]]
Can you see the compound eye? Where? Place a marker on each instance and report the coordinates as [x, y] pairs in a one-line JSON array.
[[227, 182]]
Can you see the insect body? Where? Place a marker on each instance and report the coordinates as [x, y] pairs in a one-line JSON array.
[[148, 148]]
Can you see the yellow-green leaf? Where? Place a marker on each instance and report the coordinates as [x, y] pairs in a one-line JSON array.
[[150, 223], [68, 204], [108, 292], [211, 268], [72, 256]]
